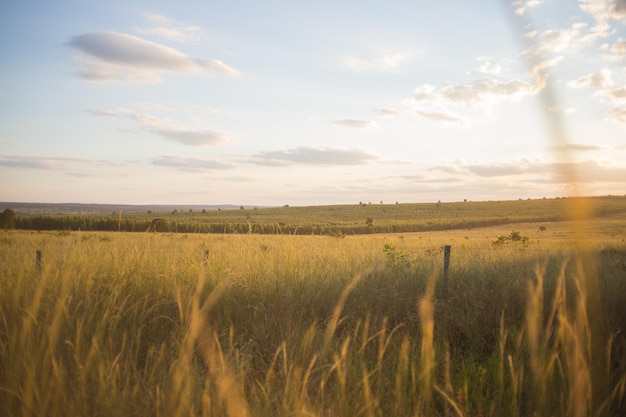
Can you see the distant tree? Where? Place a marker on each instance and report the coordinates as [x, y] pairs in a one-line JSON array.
[[240, 207], [190, 210], [369, 222], [7, 219], [174, 211], [203, 211]]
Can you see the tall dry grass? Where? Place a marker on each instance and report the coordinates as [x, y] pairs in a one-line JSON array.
[[117, 324]]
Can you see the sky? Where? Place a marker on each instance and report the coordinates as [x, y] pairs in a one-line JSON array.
[[311, 103]]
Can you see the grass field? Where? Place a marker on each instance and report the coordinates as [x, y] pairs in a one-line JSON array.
[[149, 324], [362, 218]]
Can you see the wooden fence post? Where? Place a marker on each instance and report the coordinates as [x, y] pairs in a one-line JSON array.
[[446, 266], [38, 259]]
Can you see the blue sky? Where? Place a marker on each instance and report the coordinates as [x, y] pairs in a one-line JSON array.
[[305, 103]]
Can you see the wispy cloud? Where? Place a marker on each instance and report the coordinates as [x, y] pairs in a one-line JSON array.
[[386, 113], [309, 155], [487, 67], [170, 29], [536, 171], [459, 103], [440, 117], [580, 147], [619, 113], [191, 164], [31, 162], [602, 82], [603, 10], [619, 94], [522, 6], [383, 61], [598, 80], [474, 94], [152, 106], [354, 123], [118, 57], [569, 40], [51, 163], [168, 130]]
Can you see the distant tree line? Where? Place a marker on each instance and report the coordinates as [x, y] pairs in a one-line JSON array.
[[7, 219]]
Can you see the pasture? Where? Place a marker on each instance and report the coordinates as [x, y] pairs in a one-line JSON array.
[[148, 324]]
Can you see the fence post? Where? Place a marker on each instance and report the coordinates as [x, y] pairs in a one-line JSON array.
[[38, 259], [446, 266], [206, 257]]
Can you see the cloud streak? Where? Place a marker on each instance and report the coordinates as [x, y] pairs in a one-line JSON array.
[[522, 6], [118, 57], [542, 172], [168, 130], [190, 164], [49, 163], [170, 29], [385, 61], [309, 155], [354, 123]]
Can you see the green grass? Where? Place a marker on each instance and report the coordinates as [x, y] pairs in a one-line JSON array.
[[141, 324], [362, 218]]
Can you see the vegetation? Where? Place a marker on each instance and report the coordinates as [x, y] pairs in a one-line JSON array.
[[326, 220], [7, 219], [164, 324]]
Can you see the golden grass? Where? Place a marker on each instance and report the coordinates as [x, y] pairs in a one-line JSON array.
[[142, 324]]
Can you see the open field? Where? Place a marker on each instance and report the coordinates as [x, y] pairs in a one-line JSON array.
[[362, 218], [122, 324]]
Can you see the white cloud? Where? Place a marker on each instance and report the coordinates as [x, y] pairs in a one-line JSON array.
[[440, 117], [487, 67], [476, 93], [579, 147], [309, 155], [354, 123], [619, 47], [598, 80], [385, 61], [462, 103], [31, 162], [536, 171], [386, 113], [603, 10], [170, 29], [619, 94], [103, 113], [554, 41], [118, 57], [619, 113], [522, 6], [190, 164], [51, 163], [152, 106], [169, 130], [531, 34]]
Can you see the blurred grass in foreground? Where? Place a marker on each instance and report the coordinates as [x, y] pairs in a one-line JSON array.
[[140, 324]]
